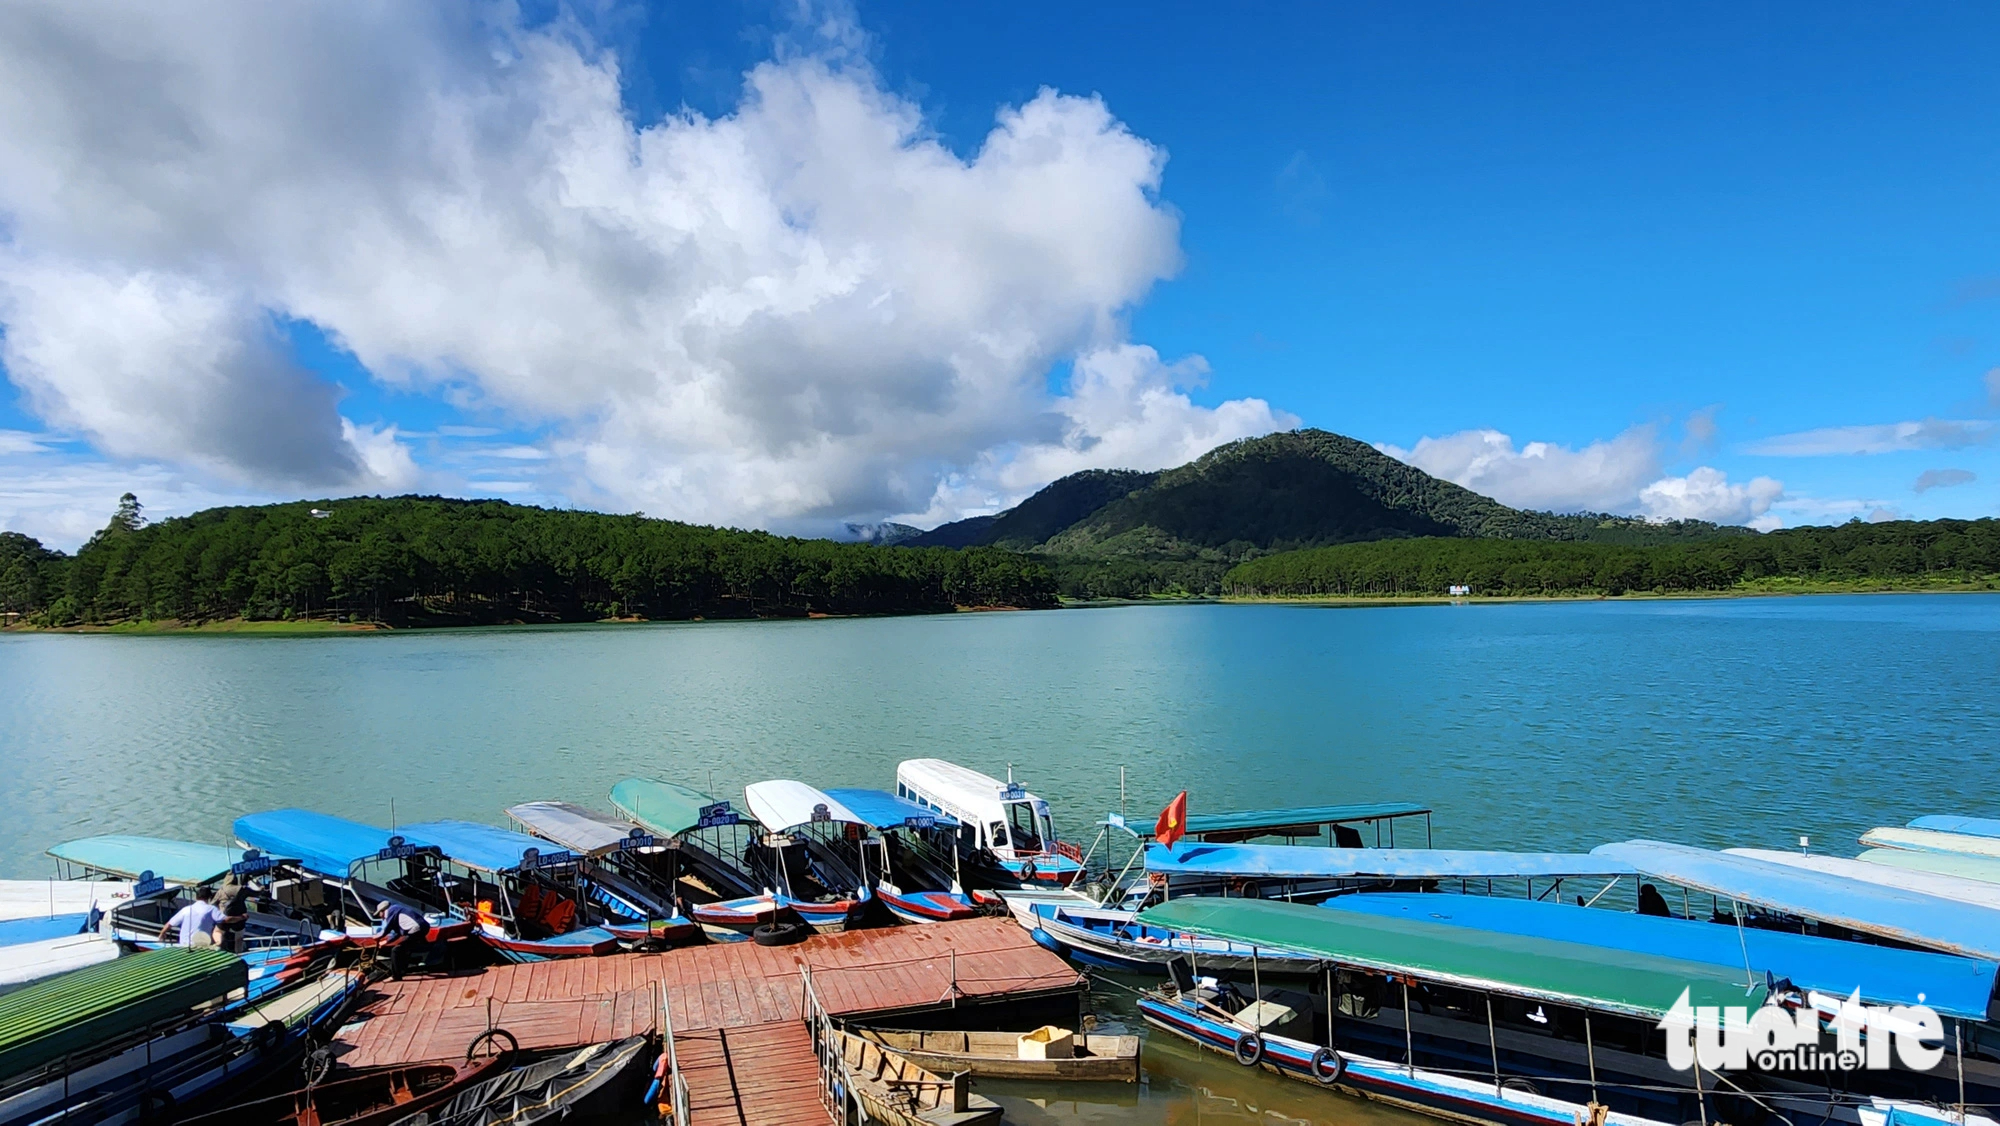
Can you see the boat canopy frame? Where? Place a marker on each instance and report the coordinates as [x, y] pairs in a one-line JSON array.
[[1306, 821]]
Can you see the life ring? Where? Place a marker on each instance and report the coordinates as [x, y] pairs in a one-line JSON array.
[[1028, 870], [268, 1035], [486, 1043], [1317, 1067], [1252, 890], [1250, 1049]]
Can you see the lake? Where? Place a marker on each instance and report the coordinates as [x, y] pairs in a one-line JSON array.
[[1553, 725]]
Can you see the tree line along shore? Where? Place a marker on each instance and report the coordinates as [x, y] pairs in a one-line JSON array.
[[434, 561], [430, 561]]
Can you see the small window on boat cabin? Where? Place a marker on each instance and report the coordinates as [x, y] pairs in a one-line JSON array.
[[996, 834]]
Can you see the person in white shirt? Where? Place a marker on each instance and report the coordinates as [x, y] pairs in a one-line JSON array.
[[196, 922]]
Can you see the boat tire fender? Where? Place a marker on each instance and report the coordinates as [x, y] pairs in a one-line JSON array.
[[268, 1035], [1319, 1067], [492, 1042], [1253, 890], [1029, 871], [1250, 1049], [778, 934]]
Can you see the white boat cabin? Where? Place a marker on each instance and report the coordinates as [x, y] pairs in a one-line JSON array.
[[1001, 816]]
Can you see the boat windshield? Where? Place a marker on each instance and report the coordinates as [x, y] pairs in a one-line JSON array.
[[1024, 828]]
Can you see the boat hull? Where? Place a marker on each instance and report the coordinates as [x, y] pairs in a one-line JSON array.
[[587, 942], [926, 906], [995, 1055], [898, 1091], [1116, 940]]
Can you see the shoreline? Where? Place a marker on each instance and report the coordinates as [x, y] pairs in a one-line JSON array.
[[317, 628]]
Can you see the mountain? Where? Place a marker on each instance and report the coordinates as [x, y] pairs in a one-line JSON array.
[[886, 534], [1181, 528]]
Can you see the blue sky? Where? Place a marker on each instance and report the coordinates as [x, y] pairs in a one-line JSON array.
[[1706, 255]]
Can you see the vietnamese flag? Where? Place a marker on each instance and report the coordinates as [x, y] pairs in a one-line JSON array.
[[1172, 825]]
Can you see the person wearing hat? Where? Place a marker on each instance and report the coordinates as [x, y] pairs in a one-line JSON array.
[[406, 934]]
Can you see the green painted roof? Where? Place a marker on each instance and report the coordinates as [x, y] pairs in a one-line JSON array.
[[666, 808], [104, 1003], [1568, 973], [1252, 819]]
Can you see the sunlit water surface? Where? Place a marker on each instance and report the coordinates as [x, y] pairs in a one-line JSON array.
[[1725, 722]]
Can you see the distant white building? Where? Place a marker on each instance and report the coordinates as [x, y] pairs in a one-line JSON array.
[[1460, 591]]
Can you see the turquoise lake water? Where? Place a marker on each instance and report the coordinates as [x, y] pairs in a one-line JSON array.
[[1564, 725]]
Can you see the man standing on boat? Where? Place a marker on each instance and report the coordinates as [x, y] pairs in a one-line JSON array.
[[196, 923], [406, 934]]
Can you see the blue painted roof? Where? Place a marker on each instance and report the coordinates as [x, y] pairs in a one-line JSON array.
[[1970, 826], [884, 810], [1308, 863], [1906, 916], [1954, 986], [486, 847], [176, 862], [320, 842]]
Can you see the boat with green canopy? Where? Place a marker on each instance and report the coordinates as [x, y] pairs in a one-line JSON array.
[[1491, 1025], [728, 900], [126, 857], [1984, 869]]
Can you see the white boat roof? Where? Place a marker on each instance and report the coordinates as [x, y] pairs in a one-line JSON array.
[[1929, 883], [1932, 840], [783, 804], [961, 785]]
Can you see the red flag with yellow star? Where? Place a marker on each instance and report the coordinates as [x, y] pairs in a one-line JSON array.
[[1172, 825]]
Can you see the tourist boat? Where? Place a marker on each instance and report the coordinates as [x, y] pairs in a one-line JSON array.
[[1115, 939], [1922, 839], [1954, 823], [902, 823], [627, 873], [810, 852], [343, 870], [729, 901], [1253, 871], [592, 1084], [1563, 1031], [164, 873], [895, 1090], [57, 898], [1007, 841], [155, 1035], [376, 1096], [1098, 1057], [1768, 894], [1341, 825], [24, 962], [525, 903]]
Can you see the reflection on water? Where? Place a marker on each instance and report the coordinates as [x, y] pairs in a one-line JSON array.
[[1730, 722]]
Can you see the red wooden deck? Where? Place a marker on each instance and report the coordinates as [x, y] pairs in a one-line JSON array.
[[577, 1001], [752, 1075]]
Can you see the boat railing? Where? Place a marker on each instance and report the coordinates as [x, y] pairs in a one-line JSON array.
[[677, 1089], [838, 1092]]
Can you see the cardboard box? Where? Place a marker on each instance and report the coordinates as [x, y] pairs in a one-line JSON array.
[[1048, 1043]]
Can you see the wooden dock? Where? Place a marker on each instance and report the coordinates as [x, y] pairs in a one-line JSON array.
[[753, 1075], [882, 973]]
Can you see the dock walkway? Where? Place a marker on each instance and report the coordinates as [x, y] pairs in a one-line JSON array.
[[752, 1075], [575, 1001]]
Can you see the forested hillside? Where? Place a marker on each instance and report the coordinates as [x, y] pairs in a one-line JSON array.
[[1900, 553], [430, 560]]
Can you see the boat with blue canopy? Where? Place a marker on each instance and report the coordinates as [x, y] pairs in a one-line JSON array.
[[1952, 823], [1514, 1023], [810, 854], [628, 873], [338, 871], [1953, 985], [1334, 822], [523, 900], [1289, 871], [163, 872], [1851, 905], [1933, 840], [908, 834]]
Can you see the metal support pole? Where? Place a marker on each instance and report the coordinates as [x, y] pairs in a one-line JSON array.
[[1700, 1100], [1256, 983], [1409, 1039], [1493, 1042], [1329, 1006], [1958, 1045], [1590, 1050]]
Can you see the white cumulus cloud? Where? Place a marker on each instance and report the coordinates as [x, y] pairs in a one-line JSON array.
[[803, 310], [1707, 494]]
